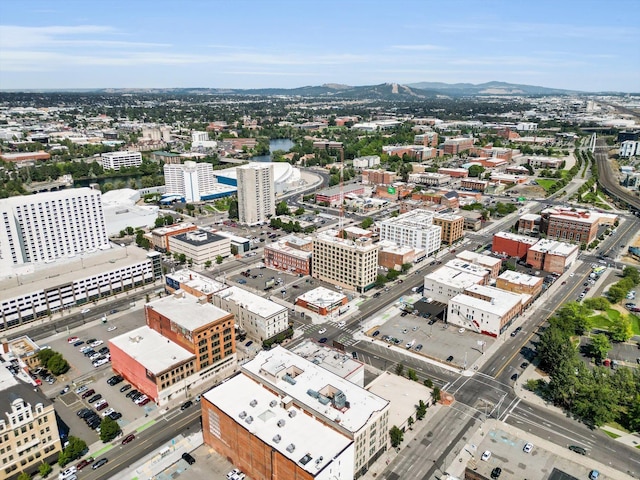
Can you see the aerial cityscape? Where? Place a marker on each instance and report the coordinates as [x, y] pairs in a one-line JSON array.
[[348, 240]]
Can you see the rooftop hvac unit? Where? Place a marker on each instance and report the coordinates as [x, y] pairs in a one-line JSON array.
[[281, 423], [289, 379], [242, 414], [277, 439], [253, 402], [312, 393], [273, 403], [291, 447], [249, 419], [292, 413], [339, 399]]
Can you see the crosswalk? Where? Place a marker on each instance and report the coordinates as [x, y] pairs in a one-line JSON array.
[[345, 338]]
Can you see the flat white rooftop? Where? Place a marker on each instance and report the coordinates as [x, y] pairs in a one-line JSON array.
[[144, 345], [454, 278], [501, 301], [172, 228], [531, 217], [272, 365], [478, 258], [321, 296], [300, 437], [196, 281], [516, 238], [328, 358], [250, 301], [520, 278], [554, 247], [465, 266], [186, 311]]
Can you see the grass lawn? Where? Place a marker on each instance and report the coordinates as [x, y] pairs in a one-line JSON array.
[[603, 320], [611, 434], [546, 182]]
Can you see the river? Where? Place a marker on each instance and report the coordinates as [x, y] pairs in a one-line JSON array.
[[284, 144]]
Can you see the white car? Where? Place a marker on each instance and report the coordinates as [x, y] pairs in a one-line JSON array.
[[97, 343], [84, 349], [111, 328], [108, 411], [486, 455], [571, 274], [85, 310], [528, 447], [322, 330], [140, 399], [100, 362], [95, 356], [99, 403], [81, 389], [342, 324]]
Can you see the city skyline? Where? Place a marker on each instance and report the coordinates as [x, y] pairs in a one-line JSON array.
[[246, 44]]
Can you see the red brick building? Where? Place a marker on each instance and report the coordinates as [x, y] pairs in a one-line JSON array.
[[552, 256], [160, 236], [291, 254], [454, 146], [454, 172], [378, 177], [512, 245]]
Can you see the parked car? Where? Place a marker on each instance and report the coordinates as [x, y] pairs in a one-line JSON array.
[[84, 463], [594, 475], [115, 415], [101, 406], [323, 340], [132, 393], [376, 333], [115, 380], [95, 398], [527, 447], [124, 388], [496, 472], [88, 393], [144, 402], [450, 359], [321, 331], [188, 458], [129, 438], [72, 339], [577, 449], [97, 343], [186, 405], [108, 412], [486, 455]]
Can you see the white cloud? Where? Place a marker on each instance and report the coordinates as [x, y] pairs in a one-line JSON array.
[[426, 47]]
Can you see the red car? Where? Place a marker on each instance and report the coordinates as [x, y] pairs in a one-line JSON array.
[[84, 463], [72, 339], [129, 438], [144, 402]]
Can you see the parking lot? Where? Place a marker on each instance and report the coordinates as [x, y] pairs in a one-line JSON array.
[[83, 374], [430, 337]]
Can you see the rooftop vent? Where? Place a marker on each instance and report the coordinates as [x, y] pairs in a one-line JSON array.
[[277, 439], [281, 423], [313, 393], [242, 414], [249, 419], [291, 447], [253, 402], [289, 379], [319, 460], [273, 403], [292, 413]]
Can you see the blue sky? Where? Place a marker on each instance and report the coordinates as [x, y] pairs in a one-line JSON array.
[[591, 45]]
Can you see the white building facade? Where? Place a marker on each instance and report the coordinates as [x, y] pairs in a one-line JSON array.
[[414, 229], [190, 180], [256, 193], [46, 226], [629, 148], [118, 160]]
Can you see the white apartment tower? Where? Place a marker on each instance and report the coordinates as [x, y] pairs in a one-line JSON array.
[[256, 193], [352, 264], [189, 179], [413, 229], [118, 160], [46, 226]]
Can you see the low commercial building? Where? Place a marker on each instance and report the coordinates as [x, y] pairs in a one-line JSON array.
[[160, 236], [28, 426], [336, 361], [474, 184], [335, 195], [454, 146], [242, 244], [446, 282], [512, 245], [25, 157], [574, 224], [290, 253], [392, 256], [366, 162], [552, 256], [454, 172], [378, 177], [485, 309], [200, 246], [508, 179], [492, 264], [285, 416], [545, 162], [518, 282], [430, 178], [529, 224], [192, 283], [472, 220], [259, 317], [321, 300]]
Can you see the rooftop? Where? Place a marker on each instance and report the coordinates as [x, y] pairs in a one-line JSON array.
[[196, 281], [454, 278], [520, 278], [321, 296], [500, 301], [301, 438], [252, 302], [143, 345], [172, 228], [478, 258], [336, 190], [336, 362], [464, 266], [198, 237], [417, 218], [530, 217], [281, 246], [516, 238], [554, 247], [331, 236], [187, 311]]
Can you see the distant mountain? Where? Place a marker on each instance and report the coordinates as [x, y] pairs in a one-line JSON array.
[[384, 91], [489, 88]]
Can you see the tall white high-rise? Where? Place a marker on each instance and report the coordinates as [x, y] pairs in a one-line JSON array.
[[46, 226], [189, 179], [256, 193]]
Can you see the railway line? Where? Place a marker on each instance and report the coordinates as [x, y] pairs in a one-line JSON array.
[[608, 182]]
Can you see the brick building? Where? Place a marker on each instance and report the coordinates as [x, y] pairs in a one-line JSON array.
[[454, 172], [552, 256], [518, 282], [160, 236], [474, 184], [512, 245], [378, 177], [454, 146], [452, 227], [290, 253]]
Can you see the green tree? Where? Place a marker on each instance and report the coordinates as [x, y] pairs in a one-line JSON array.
[[282, 208], [599, 347], [475, 170], [421, 411], [44, 469], [109, 429], [366, 223], [396, 436], [410, 422], [234, 250], [75, 449], [182, 258], [24, 476], [616, 293], [57, 364], [411, 374], [299, 211], [45, 355], [573, 317], [207, 264], [633, 414], [405, 267], [553, 348], [399, 369], [392, 275], [631, 273], [621, 329], [428, 383], [233, 209], [219, 259], [380, 280], [435, 395], [597, 303]]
